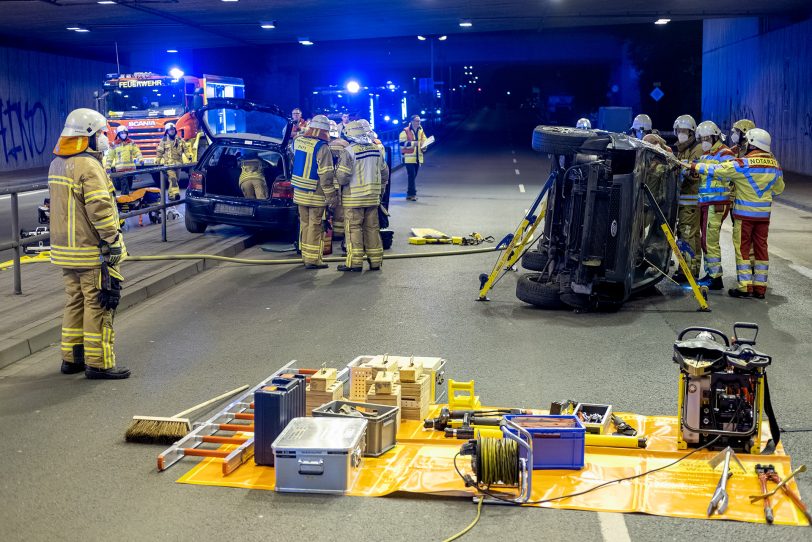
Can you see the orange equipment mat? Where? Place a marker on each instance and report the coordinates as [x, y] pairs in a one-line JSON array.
[[422, 463]]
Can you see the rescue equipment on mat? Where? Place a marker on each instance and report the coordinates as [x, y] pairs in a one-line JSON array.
[[275, 405], [596, 419], [766, 473], [723, 390], [718, 503], [429, 236]]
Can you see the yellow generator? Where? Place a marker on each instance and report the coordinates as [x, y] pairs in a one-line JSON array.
[[723, 390]]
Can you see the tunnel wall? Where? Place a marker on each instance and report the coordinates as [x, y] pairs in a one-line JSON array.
[[36, 92], [749, 71]]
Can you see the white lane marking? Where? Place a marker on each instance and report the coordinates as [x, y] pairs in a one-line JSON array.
[[805, 271], [613, 527], [517, 171], [521, 188], [25, 194], [515, 161]]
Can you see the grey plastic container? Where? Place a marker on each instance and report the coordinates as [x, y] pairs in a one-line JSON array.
[[382, 426]]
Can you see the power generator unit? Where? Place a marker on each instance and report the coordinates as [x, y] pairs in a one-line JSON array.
[[723, 390]]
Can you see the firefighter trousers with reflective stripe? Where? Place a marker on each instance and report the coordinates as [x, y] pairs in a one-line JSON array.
[[254, 188], [688, 221], [311, 233], [84, 322], [363, 236], [713, 216], [750, 237], [171, 175], [338, 221]]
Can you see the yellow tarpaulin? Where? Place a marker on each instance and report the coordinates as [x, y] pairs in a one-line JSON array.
[[422, 463]]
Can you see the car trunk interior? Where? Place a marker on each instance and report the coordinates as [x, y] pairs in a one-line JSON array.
[[225, 166]]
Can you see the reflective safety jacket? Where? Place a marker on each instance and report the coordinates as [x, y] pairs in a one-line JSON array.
[[313, 173], [252, 170], [713, 190], [362, 174], [123, 156], [83, 210], [199, 146], [756, 178], [171, 152], [690, 151], [411, 145]]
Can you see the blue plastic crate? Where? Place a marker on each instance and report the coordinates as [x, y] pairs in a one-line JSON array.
[[554, 447]]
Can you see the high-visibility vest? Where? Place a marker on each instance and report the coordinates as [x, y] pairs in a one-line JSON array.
[[410, 145], [307, 173], [364, 189], [714, 190]]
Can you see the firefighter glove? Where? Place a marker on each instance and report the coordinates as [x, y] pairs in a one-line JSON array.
[[112, 253], [109, 288]]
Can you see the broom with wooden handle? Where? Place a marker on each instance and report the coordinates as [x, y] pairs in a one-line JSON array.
[[158, 430]]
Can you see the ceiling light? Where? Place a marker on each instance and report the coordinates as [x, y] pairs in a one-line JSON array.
[[74, 28], [466, 23], [421, 38], [81, 30], [662, 21], [230, 0], [105, 2], [171, 50], [268, 26], [305, 41], [442, 38]]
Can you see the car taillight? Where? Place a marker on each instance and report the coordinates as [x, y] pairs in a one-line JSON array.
[[196, 180], [282, 189]]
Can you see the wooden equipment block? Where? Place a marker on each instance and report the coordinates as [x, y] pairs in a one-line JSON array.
[[360, 378], [315, 398], [412, 372], [322, 380], [383, 383], [389, 399], [416, 398]]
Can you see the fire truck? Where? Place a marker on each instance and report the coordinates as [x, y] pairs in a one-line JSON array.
[[145, 102]]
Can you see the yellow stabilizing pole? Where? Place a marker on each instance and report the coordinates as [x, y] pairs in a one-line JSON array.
[[513, 246]]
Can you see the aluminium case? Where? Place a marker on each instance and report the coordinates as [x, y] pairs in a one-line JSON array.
[[319, 455]]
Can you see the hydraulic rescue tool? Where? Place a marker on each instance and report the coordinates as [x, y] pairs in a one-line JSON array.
[[766, 473], [723, 390], [718, 503]]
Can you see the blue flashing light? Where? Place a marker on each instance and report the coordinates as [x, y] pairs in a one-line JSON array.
[[176, 73], [439, 111], [423, 112], [391, 86], [386, 118], [353, 87], [395, 121]]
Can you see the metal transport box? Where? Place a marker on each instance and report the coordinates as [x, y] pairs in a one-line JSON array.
[[319, 455]]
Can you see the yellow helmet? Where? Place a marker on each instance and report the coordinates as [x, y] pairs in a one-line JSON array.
[[743, 125]]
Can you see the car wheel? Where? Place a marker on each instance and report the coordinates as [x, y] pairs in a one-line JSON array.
[[192, 225], [559, 139], [540, 294], [534, 260]]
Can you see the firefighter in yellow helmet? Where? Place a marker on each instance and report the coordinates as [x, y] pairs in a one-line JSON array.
[[362, 174], [714, 201], [170, 152], [252, 176], [313, 190], [756, 178], [688, 149], [123, 156], [87, 244], [740, 127]]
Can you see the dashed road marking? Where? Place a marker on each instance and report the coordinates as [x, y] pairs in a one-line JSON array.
[[521, 188], [515, 161], [613, 527], [517, 171]]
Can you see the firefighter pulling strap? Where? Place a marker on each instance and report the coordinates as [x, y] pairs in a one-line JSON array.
[[669, 235], [515, 244]]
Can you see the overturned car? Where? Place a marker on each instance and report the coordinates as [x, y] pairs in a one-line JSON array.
[[602, 240]]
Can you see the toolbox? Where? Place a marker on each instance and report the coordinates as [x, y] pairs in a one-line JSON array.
[[558, 440], [605, 411], [381, 422], [275, 405], [319, 455]]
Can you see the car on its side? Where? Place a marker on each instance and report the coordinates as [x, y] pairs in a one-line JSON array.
[[242, 131], [602, 240]]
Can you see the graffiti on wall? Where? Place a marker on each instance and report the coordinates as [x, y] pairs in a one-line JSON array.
[[23, 131]]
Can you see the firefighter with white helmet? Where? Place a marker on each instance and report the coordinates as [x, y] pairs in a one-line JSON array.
[[337, 146], [714, 201], [362, 174], [688, 149], [583, 124], [87, 244], [740, 127], [313, 190], [641, 126], [756, 179], [171, 152], [123, 156]]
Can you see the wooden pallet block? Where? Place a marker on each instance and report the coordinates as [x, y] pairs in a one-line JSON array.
[[360, 378], [389, 399], [314, 399], [411, 373], [383, 383], [322, 380], [416, 398]]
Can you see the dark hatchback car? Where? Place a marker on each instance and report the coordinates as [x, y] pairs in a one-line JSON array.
[[602, 240], [250, 137]]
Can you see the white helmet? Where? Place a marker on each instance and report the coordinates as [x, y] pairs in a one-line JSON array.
[[333, 128], [685, 121], [319, 122], [758, 138], [168, 126], [355, 130], [121, 129], [83, 122], [642, 122], [583, 124], [708, 128]]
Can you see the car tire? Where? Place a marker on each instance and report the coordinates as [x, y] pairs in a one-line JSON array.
[[193, 226], [540, 294], [559, 139], [535, 260]]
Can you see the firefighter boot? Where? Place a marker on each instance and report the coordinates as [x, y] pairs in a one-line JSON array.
[[78, 364], [113, 373]]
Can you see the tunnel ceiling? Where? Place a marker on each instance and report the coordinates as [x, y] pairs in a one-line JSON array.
[[190, 24]]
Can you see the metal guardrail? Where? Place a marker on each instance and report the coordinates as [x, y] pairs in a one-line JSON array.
[[17, 243]]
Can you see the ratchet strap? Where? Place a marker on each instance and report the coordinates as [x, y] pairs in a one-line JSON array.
[[775, 431]]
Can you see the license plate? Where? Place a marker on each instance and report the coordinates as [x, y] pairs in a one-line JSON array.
[[234, 210]]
